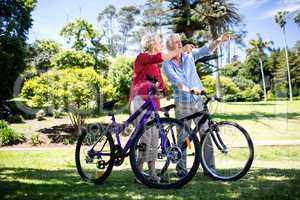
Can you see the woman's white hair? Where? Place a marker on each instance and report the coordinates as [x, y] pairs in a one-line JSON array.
[[148, 40], [173, 37]]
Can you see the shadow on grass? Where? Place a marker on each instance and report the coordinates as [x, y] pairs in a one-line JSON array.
[[27, 183], [252, 103], [255, 116]]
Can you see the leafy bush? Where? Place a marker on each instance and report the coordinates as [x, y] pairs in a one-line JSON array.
[[69, 58], [35, 91], [243, 82], [76, 90], [56, 87], [120, 75], [252, 94], [36, 139], [271, 95], [3, 124], [9, 137], [228, 86]]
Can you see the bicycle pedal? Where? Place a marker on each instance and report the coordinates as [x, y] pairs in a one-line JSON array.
[[99, 173]]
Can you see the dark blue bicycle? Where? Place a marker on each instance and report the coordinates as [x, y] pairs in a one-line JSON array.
[[97, 153]]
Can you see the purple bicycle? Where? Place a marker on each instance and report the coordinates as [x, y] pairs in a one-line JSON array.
[[176, 162]]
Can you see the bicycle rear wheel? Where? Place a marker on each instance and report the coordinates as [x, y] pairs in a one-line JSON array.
[[175, 165], [94, 155], [232, 150]]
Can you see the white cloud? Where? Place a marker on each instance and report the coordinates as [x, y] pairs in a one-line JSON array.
[[282, 5], [250, 3]]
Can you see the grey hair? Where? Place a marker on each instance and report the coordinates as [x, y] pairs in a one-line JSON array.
[[170, 40], [148, 40]]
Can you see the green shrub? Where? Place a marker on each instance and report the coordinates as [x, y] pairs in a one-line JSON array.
[[76, 90], [61, 87], [36, 139], [9, 137], [120, 75], [3, 124], [209, 83], [35, 91], [69, 58], [228, 86], [253, 94], [271, 95]]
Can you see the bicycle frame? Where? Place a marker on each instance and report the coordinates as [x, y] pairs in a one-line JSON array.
[[150, 107]]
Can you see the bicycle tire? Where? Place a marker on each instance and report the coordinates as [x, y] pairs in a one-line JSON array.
[[162, 185], [79, 162], [218, 172]]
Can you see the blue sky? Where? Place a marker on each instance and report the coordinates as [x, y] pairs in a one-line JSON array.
[[49, 17]]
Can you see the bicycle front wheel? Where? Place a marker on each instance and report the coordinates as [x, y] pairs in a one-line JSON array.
[[226, 151], [94, 155], [175, 163]]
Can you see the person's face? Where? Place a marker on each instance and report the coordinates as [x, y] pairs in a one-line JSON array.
[[177, 43], [156, 46]]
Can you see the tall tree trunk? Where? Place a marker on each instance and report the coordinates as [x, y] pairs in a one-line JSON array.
[[228, 52], [263, 78], [214, 34], [287, 64]]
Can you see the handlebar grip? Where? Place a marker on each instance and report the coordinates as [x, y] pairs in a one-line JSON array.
[[194, 92]]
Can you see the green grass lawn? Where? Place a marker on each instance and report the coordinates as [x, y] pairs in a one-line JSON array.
[[275, 173], [51, 174], [264, 121], [274, 120]]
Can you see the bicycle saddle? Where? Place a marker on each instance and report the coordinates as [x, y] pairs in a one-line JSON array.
[[109, 105], [167, 108]]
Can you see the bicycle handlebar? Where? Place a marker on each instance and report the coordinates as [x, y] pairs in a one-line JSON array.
[[208, 98], [155, 85]]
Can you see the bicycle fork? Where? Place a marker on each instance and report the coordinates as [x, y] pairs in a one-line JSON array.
[[214, 133]]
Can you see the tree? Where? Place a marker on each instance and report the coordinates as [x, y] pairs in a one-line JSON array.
[[258, 47], [219, 16], [14, 25], [183, 19], [79, 33], [126, 19], [297, 18], [43, 52], [83, 37], [69, 58], [107, 19], [280, 19], [275, 70], [239, 33], [154, 16], [297, 48]]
